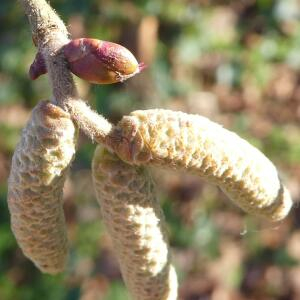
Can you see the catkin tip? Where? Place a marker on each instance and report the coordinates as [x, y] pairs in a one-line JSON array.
[[281, 207]]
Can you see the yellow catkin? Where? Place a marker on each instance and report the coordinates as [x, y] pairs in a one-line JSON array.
[[195, 144], [136, 225], [35, 188]]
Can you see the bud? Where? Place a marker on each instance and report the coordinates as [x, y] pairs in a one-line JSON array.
[[95, 61], [101, 62], [38, 67], [35, 186]]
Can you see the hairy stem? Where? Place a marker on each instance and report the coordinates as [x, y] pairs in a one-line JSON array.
[[51, 34], [95, 126]]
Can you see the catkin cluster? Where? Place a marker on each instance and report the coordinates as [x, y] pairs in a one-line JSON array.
[[136, 225], [195, 144], [35, 188], [123, 187]]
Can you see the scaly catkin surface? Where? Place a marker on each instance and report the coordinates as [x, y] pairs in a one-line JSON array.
[[35, 188], [136, 225], [195, 144]]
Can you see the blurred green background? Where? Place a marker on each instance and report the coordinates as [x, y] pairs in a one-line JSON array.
[[236, 62]]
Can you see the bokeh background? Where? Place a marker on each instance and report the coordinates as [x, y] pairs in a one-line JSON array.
[[236, 62]]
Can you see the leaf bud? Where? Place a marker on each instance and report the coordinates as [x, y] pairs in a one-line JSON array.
[[35, 187], [38, 67], [101, 62]]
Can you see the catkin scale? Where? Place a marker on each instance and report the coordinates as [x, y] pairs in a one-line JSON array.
[[136, 225], [35, 186], [197, 145]]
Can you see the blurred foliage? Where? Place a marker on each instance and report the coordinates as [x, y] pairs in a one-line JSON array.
[[236, 62]]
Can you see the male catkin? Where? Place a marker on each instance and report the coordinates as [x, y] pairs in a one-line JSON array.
[[136, 225], [197, 145], [35, 188]]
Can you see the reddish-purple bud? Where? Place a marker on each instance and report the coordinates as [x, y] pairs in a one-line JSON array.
[[34, 40], [38, 67], [101, 62]]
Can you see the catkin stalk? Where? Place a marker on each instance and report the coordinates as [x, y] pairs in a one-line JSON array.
[[136, 225], [35, 187], [195, 144]]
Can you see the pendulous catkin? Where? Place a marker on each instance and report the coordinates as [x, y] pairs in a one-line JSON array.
[[35, 186], [195, 144], [136, 225]]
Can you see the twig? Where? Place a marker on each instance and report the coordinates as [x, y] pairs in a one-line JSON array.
[[195, 144], [51, 34]]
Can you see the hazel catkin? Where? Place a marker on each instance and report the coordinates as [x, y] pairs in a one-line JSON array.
[[197, 145], [38, 67], [136, 225], [35, 187]]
